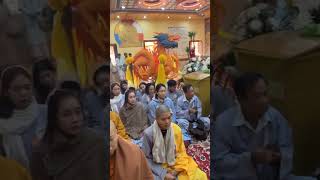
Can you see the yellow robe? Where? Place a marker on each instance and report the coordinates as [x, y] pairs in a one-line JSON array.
[[115, 118], [11, 170], [75, 55], [185, 165]]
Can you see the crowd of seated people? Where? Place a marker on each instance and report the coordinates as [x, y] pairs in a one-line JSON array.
[[163, 140], [50, 128]]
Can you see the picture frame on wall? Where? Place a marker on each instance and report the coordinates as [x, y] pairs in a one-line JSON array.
[[113, 54], [150, 45], [198, 47]]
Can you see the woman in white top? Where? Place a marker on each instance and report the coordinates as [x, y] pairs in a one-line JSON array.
[[117, 99]]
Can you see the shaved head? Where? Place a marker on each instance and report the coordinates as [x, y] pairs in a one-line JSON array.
[[163, 117], [162, 109]]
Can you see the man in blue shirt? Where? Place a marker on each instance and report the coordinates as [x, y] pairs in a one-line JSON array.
[[172, 92], [97, 100], [189, 108], [252, 141]]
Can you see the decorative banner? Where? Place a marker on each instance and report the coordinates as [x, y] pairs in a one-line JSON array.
[[128, 33], [183, 43]]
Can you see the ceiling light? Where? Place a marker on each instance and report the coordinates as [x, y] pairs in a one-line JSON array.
[[162, 9], [168, 17], [123, 7], [189, 17], [197, 9], [144, 17], [139, 2], [118, 17], [200, 5]]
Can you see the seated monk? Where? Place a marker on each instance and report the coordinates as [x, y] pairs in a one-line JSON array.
[[121, 130], [126, 159], [165, 151]]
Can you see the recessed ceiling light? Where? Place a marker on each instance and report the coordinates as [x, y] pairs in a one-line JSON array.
[[123, 7], [189, 17], [118, 17], [168, 17], [144, 17], [197, 9], [139, 2], [162, 9]]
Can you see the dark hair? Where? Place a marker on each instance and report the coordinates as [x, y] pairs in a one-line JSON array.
[[122, 83], [245, 82], [131, 88], [112, 86], [186, 88], [40, 66], [126, 97], [9, 74], [53, 107], [171, 83], [71, 86], [101, 69], [142, 83], [158, 87], [148, 88]]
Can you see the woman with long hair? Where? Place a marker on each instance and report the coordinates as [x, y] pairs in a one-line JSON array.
[[117, 99], [68, 150], [134, 117], [22, 120]]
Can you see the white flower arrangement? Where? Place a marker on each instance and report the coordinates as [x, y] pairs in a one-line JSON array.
[[263, 18], [196, 65]]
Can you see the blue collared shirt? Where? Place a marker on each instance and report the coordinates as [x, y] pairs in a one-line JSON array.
[[154, 103], [235, 139], [183, 106], [174, 96]]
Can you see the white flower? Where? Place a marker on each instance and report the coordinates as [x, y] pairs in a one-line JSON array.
[[256, 25]]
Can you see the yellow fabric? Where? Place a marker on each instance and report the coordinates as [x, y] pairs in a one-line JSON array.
[[161, 77], [185, 165], [60, 48], [11, 170], [74, 57], [129, 75], [115, 118]]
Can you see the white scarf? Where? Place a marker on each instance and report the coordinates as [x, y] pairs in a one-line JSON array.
[[163, 150], [11, 129]]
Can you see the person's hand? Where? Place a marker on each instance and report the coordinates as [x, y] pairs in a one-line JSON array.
[[192, 111], [276, 155], [169, 177], [265, 156]]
